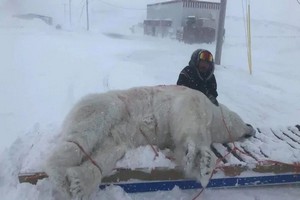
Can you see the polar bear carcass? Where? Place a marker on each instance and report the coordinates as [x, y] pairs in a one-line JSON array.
[[106, 125]]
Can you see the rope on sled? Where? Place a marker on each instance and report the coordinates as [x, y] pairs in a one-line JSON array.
[[145, 136], [87, 155]]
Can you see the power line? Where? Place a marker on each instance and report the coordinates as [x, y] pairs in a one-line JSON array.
[[121, 7]]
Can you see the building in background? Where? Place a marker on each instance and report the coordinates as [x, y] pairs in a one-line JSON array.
[[191, 21]]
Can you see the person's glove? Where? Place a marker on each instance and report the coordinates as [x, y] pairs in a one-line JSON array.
[[213, 100]]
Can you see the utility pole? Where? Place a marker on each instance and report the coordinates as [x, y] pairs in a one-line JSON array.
[[65, 13], [70, 13], [220, 32], [249, 38], [87, 15]]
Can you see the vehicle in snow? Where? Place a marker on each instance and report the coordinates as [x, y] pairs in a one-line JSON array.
[[199, 30]]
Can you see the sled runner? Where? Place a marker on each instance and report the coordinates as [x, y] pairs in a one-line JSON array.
[[271, 157]]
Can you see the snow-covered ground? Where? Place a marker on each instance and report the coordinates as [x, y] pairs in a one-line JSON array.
[[44, 71]]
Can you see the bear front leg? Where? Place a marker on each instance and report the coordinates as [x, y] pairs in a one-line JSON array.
[[206, 160], [84, 179], [199, 163]]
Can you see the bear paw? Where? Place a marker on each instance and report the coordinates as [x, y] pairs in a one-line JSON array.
[[207, 163], [76, 183]]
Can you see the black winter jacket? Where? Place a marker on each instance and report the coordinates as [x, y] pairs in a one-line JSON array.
[[192, 78], [189, 77]]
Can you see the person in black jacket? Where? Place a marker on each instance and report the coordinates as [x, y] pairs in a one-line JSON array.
[[199, 74]]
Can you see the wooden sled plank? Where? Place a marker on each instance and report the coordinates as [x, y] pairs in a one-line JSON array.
[[290, 134], [163, 174], [295, 131], [31, 177]]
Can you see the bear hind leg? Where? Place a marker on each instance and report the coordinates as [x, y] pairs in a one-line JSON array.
[[85, 178], [66, 155]]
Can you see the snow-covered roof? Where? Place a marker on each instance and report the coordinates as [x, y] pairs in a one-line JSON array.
[[177, 1]]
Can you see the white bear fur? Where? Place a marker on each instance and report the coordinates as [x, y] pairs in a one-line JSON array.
[[107, 125]]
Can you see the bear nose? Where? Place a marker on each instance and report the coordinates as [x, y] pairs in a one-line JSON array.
[[248, 135], [250, 132]]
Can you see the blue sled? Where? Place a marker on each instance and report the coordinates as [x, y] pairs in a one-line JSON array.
[[151, 186]]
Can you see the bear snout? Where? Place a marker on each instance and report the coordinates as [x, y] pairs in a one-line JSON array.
[[250, 131]]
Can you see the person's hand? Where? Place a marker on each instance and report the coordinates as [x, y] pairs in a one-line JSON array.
[[213, 100]]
